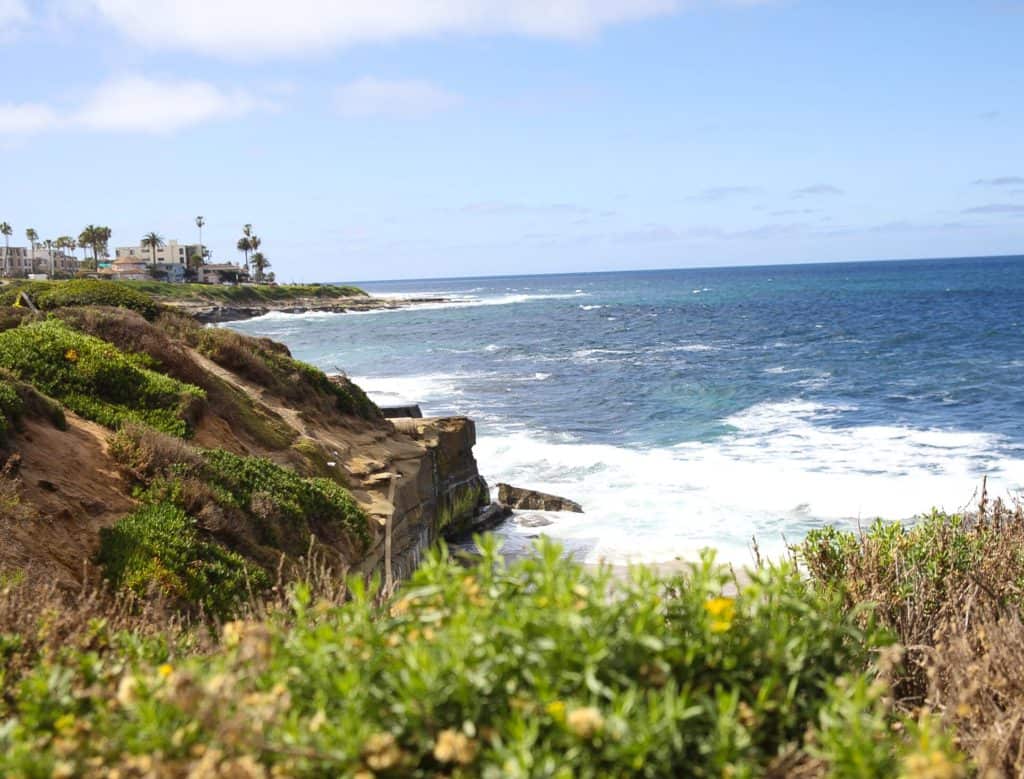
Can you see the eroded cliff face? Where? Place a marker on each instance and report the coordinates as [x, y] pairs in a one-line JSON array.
[[415, 479], [437, 492]]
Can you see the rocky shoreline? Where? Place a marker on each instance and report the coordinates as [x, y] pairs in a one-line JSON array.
[[209, 312]]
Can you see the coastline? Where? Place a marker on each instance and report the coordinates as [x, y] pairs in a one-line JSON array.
[[207, 312]]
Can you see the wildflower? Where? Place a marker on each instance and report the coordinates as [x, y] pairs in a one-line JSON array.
[[64, 722], [557, 710], [126, 690], [454, 747], [585, 722], [722, 611], [381, 752], [317, 721], [934, 765], [165, 670], [232, 632], [71, 355]]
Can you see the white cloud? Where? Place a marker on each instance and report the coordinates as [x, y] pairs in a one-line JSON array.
[[13, 12], [255, 29], [26, 118], [133, 104], [14, 16], [411, 99], [137, 104]]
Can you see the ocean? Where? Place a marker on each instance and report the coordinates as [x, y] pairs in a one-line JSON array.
[[687, 409]]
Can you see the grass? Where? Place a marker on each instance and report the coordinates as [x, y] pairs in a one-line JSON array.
[[96, 380], [243, 293], [950, 589], [526, 669]]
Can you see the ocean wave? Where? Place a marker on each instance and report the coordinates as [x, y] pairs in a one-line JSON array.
[[787, 467]]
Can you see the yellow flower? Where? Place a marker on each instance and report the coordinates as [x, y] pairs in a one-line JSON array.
[[722, 611], [586, 722], [557, 710], [935, 765], [64, 722], [454, 747], [71, 355], [165, 670]]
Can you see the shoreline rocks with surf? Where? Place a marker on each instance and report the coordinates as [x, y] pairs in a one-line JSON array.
[[532, 500], [216, 313]]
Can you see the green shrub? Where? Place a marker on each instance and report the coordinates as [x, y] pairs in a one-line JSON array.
[[95, 380], [49, 295], [270, 365], [18, 400], [950, 588], [540, 668], [11, 408], [281, 500], [158, 547], [247, 293]]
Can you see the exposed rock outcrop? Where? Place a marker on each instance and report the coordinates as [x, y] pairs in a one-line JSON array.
[[519, 498]]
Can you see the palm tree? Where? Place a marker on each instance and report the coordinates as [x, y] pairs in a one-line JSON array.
[[5, 228], [244, 246], [154, 241], [200, 221], [48, 243], [102, 239], [66, 244], [33, 238], [259, 264]]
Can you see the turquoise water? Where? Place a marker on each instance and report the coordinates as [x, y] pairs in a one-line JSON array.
[[696, 408]]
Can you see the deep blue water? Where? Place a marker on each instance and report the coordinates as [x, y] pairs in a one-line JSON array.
[[700, 407]]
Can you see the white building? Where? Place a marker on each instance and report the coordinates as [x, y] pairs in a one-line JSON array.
[[21, 261], [171, 252]]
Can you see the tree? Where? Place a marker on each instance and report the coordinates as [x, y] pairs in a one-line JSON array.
[[96, 238], [200, 221], [245, 246], [5, 228], [66, 244], [154, 241], [259, 264], [33, 239], [48, 243]]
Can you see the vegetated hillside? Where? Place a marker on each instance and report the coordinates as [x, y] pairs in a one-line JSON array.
[[41, 291], [186, 459], [246, 293]]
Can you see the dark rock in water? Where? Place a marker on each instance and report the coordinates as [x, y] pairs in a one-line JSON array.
[[485, 519], [410, 411], [532, 520], [519, 498]]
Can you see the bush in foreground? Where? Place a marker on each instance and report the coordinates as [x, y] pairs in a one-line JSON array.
[[539, 668], [950, 589]]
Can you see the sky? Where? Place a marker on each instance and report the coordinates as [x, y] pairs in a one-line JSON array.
[[380, 139]]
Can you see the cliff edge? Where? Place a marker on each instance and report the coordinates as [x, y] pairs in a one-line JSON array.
[[199, 461]]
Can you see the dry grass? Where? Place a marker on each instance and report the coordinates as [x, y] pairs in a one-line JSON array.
[[951, 590]]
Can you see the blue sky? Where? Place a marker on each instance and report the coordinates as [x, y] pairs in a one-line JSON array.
[[371, 139]]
